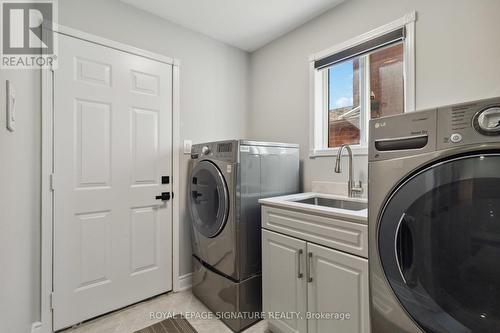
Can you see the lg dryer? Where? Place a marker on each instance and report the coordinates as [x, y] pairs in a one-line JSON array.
[[434, 220], [225, 183]]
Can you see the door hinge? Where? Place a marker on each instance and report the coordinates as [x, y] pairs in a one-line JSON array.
[[52, 305], [51, 182]]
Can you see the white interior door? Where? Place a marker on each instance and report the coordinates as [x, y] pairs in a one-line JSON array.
[[112, 145]]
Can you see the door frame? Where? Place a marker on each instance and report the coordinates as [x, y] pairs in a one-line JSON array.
[[45, 325]]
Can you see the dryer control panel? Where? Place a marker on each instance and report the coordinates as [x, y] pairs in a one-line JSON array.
[[469, 123]]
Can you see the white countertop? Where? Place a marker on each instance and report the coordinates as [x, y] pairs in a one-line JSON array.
[[290, 202]]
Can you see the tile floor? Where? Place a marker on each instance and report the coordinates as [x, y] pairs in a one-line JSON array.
[[137, 316]]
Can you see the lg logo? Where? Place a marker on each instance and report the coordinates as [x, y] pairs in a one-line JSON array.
[[23, 24]]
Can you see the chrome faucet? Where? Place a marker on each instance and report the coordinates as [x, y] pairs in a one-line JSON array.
[[352, 189]]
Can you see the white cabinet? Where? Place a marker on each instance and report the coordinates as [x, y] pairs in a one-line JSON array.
[[284, 281], [326, 287], [337, 286]]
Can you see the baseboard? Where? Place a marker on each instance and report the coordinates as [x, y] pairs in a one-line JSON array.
[[38, 327], [185, 282]]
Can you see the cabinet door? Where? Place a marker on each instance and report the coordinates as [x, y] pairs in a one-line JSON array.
[[284, 282], [337, 286]]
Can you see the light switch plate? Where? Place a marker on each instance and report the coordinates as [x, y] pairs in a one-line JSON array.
[[187, 146], [11, 107]]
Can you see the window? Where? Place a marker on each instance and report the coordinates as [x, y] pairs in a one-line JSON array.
[[368, 77], [343, 81]]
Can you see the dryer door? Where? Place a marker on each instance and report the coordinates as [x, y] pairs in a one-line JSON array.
[[439, 244], [209, 199]]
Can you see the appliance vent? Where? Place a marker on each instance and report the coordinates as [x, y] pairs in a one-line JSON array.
[[224, 147]]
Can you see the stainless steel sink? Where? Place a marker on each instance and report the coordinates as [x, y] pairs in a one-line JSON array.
[[335, 203]]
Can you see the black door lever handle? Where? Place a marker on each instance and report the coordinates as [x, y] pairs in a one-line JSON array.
[[165, 196]]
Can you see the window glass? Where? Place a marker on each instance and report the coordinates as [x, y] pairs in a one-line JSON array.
[[343, 103], [386, 81], [380, 75]]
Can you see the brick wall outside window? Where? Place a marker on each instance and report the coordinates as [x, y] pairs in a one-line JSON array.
[[386, 81]]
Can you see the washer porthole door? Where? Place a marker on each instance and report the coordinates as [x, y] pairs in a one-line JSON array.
[[208, 199], [439, 244]]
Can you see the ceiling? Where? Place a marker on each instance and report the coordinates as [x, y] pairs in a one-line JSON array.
[[246, 24]]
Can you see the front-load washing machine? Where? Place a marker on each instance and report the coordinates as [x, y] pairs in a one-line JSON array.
[[434, 220], [226, 180]]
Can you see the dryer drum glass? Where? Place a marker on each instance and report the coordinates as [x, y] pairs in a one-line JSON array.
[[439, 243]]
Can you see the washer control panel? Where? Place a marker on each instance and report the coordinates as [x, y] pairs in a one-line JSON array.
[[468, 123], [205, 150], [220, 150], [487, 121], [456, 137]]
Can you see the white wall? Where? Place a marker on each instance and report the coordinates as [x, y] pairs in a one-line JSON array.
[[457, 54], [20, 204]]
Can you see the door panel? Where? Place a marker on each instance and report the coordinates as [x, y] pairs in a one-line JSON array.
[[145, 83], [112, 144], [339, 285], [93, 135], [92, 71], [439, 243], [283, 290], [95, 252], [144, 145], [143, 240]]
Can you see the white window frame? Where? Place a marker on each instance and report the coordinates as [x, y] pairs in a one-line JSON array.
[[318, 86]]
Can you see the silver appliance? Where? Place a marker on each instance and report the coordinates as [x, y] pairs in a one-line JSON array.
[[434, 220], [226, 180]]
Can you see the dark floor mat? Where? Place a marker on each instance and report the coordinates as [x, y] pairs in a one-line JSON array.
[[176, 324]]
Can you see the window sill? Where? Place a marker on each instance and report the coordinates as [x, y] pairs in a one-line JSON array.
[[329, 152]]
